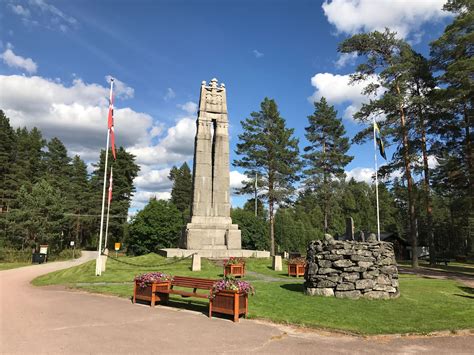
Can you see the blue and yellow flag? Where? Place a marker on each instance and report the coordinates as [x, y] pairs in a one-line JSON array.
[[378, 139]]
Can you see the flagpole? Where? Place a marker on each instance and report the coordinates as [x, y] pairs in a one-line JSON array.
[[108, 210], [98, 263], [376, 183], [256, 206]]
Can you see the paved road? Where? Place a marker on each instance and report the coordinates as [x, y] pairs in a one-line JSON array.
[[56, 321]]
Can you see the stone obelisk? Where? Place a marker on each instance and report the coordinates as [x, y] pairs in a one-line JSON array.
[[211, 226]]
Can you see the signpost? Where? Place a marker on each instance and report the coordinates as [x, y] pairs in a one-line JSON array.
[[71, 243], [117, 248]]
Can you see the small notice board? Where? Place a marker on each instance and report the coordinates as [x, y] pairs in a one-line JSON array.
[[117, 246]]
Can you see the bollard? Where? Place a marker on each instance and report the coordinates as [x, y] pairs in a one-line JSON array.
[[196, 266], [104, 259], [277, 266]]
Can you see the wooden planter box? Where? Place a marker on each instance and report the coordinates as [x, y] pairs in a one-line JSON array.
[[149, 293], [237, 270], [296, 269], [229, 302]]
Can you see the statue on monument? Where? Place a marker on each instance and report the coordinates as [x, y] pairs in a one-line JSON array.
[[211, 225]]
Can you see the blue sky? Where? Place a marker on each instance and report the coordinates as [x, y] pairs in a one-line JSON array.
[[56, 56]]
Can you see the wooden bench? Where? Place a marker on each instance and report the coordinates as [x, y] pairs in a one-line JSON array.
[[194, 283], [201, 288]]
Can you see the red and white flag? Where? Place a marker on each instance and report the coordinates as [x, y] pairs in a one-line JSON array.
[[111, 118], [110, 187]]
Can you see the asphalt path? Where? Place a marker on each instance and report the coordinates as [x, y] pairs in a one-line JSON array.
[[54, 320]]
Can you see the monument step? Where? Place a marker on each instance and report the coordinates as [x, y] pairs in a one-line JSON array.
[[214, 253]]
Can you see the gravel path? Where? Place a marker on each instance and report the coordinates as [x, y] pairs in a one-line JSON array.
[[52, 320]]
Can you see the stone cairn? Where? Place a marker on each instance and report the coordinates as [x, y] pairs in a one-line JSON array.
[[351, 269]]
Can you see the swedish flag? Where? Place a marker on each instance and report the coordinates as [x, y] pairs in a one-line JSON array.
[[378, 139]]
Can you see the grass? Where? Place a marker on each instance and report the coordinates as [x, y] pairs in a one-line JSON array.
[[14, 265], [425, 305]]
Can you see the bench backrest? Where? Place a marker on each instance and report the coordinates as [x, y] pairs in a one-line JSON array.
[[193, 282]]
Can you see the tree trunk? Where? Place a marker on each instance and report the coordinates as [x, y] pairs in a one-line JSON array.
[[272, 227], [325, 189], [428, 206], [271, 212], [470, 178], [411, 200]]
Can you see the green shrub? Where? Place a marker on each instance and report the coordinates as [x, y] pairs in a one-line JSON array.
[[66, 254], [11, 255]]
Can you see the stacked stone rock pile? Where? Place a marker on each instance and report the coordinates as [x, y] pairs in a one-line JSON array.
[[350, 269]]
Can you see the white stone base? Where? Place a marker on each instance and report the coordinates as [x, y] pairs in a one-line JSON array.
[[214, 253]]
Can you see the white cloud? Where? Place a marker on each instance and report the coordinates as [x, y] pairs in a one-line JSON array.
[[345, 59], [257, 54], [176, 146], [16, 61], [361, 174], [236, 179], [180, 138], [432, 161], [337, 90], [54, 11], [20, 10], [120, 88], [189, 107], [403, 16], [76, 113], [154, 180], [170, 94], [141, 198]]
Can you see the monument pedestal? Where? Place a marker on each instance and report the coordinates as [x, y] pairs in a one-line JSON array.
[[214, 253], [212, 236]]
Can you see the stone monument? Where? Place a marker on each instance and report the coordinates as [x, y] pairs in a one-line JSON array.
[[211, 226], [211, 232], [349, 228]]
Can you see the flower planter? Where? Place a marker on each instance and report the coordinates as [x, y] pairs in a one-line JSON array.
[[237, 270], [233, 303], [151, 292], [296, 269]]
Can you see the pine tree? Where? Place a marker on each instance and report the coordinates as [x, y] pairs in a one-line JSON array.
[[425, 117], [29, 167], [38, 218], [125, 171], [391, 61], [181, 192], [452, 57], [8, 185], [268, 148], [57, 164], [326, 156], [79, 201]]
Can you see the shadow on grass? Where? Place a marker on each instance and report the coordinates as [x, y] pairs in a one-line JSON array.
[[284, 274], [468, 290], [294, 287]]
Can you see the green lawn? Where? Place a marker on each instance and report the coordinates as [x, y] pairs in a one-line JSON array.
[[457, 267], [425, 305], [7, 266]]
